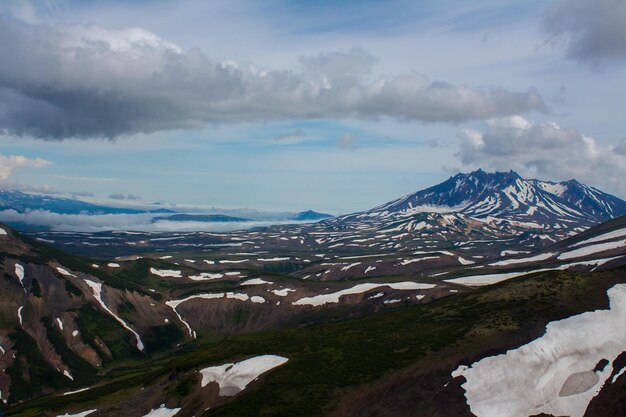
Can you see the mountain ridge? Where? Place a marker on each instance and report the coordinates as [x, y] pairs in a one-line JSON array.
[[506, 195]]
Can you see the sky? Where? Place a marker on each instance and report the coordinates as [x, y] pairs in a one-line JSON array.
[[295, 105]]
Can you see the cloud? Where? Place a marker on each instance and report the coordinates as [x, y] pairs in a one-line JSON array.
[[8, 164], [620, 148], [292, 137], [591, 30], [347, 141], [120, 196], [40, 189], [543, 150], [130, 222], [78, 194], [60, 81], [86, 179]]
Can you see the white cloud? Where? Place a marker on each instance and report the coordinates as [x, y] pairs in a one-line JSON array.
[[295, 136], [132, 222], [543, 150], [8, 164], [60, 81]]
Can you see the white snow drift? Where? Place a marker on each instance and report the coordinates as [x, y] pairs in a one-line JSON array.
[[553, 374], [234, 377], [166, 273]]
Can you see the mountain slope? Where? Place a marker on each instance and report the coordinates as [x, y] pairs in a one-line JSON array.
[[64, 321], [507, 196]]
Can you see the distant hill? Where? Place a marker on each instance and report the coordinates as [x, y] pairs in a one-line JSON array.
[[310, 215]]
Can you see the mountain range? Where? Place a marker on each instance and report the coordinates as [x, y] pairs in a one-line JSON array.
[[16, 205]]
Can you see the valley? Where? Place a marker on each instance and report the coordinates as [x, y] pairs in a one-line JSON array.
[[336, 317]]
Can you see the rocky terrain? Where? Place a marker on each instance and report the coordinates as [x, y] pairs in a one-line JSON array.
[[387, 312]]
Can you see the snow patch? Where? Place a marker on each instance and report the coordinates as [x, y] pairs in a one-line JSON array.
[[553, 374], [205, 276], [540, 257], [322, 299], [19, 272], [81, 414], [233, 378], [65, 272], [255, 281], [283, 292], [592, 249], [165, 273], [76, 391], [163, 412]]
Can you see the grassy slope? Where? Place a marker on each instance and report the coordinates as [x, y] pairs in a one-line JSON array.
[[326, 362]]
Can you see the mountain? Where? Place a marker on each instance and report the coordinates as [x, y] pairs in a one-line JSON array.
[[506, 196], [23, 202], [200, 218], [310, 215]]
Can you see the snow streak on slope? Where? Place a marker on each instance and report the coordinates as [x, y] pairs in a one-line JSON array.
[[322, 299], [173, 304], [96, 288], [592, 249], [619, 233], [556, 374]]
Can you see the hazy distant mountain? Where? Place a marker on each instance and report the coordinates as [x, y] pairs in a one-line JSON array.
[[310, 215], [22, 202]]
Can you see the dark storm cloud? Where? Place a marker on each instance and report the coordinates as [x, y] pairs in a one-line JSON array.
[[59, 82]]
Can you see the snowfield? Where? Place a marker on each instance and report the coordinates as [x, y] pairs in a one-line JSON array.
[[163, 412], [592, 249], [234, 377], [19, 272], [555, 373], [256, 281], [478, 280], [334, 297], [166, 273], [83, 414], [540, 257], [65, 272], [605, 236], [205, 276]]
